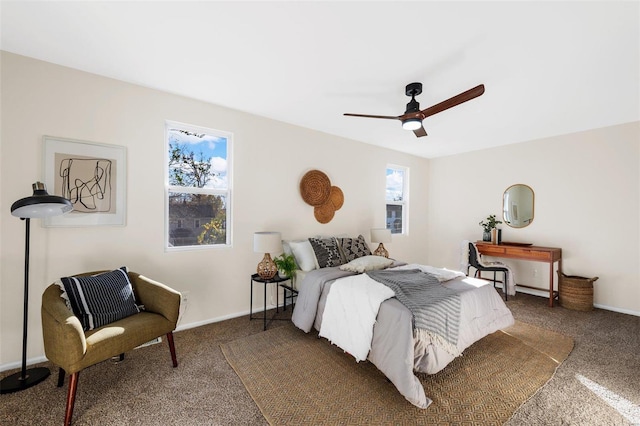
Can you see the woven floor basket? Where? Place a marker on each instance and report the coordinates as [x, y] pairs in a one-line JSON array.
[[575, 293]]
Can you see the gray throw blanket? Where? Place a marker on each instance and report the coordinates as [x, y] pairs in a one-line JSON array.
[[435, 308]]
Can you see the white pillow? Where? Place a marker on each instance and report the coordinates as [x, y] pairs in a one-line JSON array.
[[288, 252], [305, 257], [367, 263]]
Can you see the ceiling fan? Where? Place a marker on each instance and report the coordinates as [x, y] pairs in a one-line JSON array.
[[413, 116]]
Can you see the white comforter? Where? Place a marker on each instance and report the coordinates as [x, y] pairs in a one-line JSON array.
[[394, 349], [351, 311]]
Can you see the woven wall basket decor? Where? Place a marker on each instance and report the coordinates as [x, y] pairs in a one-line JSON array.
[[336, 197], [325, 212], [315, 188]]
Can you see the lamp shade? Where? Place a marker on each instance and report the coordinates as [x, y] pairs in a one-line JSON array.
[[40, 204], [380, 235], [267, 242]]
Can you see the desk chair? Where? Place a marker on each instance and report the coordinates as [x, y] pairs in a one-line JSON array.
[[475, 261]]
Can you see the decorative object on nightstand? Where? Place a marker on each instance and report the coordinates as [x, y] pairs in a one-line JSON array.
[[286, 264], [488, 227], [39, 205], [381, 235], [267, 243]]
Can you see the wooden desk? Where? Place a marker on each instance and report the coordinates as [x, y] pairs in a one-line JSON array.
[[548, 255]]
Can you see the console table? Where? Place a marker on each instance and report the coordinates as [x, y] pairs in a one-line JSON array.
[[548, 255]]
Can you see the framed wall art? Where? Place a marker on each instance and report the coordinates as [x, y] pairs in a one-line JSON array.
[[92, 176]]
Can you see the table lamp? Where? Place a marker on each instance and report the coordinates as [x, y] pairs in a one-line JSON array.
[[381, 235], [267, 242]]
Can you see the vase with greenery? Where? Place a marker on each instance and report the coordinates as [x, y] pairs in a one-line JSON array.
[[286, 264], [487, 225]]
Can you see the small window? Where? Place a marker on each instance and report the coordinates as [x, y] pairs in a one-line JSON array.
[[397, 202], [198, 186]]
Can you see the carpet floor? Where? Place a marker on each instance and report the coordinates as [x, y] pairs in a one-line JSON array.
[[205, 390], [475, 388]]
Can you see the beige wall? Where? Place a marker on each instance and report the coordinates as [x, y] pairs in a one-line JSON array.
[[590, 177], [269, 159], [587, 190]]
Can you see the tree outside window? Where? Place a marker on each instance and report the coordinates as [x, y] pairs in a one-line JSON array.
[[397, 203], [198, 186]]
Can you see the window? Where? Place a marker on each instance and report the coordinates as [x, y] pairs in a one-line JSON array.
[[397, 197], [198, 187]]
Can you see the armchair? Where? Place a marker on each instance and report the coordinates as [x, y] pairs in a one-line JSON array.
[[71, 348]]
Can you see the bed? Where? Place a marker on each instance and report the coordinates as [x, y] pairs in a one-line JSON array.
[[396, 349]]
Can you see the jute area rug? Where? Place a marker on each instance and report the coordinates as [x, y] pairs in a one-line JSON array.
[[297, 378]]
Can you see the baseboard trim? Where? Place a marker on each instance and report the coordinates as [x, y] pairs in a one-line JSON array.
[[224, 317], [545, 293], [42, 358], [39, 359], [614, 309]]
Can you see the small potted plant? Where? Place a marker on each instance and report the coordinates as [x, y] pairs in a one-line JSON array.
[[286, 264], [489, 224]]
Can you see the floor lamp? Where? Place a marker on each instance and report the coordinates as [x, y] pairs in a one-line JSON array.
[[39, 205]]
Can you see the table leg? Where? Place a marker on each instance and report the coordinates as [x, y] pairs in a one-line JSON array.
[[264, 313], [285, 298], [551, 284], [251, 299]]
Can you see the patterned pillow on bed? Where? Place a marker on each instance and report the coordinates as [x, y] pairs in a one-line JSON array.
[[326, 250], [353, 248]]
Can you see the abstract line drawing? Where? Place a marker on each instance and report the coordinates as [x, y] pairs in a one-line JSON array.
[[90, 175], [87, 183]]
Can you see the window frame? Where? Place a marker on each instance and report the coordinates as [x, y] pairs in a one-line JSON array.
[[226, 193], [404, 203]]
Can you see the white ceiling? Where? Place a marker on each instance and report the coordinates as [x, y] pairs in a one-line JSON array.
[[549, 68]]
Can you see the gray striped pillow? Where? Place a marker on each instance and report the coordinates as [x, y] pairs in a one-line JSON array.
[[101, 299]]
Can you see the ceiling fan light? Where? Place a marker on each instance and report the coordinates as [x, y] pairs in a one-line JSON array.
[[412, 124]]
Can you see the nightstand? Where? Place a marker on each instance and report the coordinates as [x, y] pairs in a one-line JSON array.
[[255, 278], [292, 292]]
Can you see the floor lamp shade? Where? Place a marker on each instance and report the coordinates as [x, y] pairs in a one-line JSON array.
[[267, 242], [39, 205], [381, 235]]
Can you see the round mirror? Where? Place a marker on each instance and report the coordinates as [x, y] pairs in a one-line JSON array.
[[517, 206]]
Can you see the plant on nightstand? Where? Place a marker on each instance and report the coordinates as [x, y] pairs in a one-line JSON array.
[[488, 225], [286, 263]]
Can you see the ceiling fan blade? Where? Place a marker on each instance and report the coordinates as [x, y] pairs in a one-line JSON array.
[[456, 100], [420, 132], [372, 116]]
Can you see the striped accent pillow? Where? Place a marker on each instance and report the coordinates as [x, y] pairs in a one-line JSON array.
[[101, 299]]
